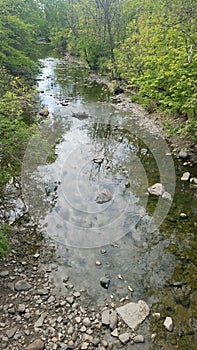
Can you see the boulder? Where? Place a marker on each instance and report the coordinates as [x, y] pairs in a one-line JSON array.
[[133, 314]]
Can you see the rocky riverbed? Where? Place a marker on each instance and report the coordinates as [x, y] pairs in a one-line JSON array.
[[34, 317]]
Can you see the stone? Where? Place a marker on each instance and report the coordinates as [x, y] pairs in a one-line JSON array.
[[40, 321], [98, 263], [106, 317], [42, 292], [167, 195], [21, 308], [168, 324], [86, 322], [133, 314], [105, 282], [183, 215], [37, 344], [183, 154], [70, 300], [193, 180], [22, 285], [98, 160], [96, 341], [138, 338], [113, 319], [84, 346], [44, 112], [104, 196], [51, 299], [124, 337], [115, 333], [157, 189], [185, 176], [11, 332], [4, 273]]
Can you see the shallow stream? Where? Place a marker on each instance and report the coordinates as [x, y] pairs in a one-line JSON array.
[[87, 144]]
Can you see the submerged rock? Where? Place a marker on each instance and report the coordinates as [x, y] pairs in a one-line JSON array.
[[105, 282], [133, 314], [104, 196], [80, 115]]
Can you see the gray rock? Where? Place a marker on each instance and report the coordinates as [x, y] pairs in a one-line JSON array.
[[22, 285], [167, 195], [106, 317], [138, 338], [21, 308], [37, 344], [84, 346], [124, 337], [10, 332], [157, 189], [40, 321], [104, 196], [168, 324], [86, 322], [183, 154], [42, 292], [96, 341], [133, 314], [4, 273], [51, 299], [185, 176], [113, 319]]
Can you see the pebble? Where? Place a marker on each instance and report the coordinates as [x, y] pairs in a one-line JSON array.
[[4, 273], [113, 320], [98, 263], [168, 324], [106, 317], [138, 338], [11, 332], [22, 285], [185, 176], [124, 337]]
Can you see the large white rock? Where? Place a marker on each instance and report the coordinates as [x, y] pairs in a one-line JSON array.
[[156, 189], [168, 324], [185, 176], [133, 314]]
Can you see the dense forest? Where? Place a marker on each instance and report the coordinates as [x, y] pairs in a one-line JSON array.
[[149, 46]]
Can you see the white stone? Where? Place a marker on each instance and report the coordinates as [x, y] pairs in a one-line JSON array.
[[133, 314], [167, 195], [157, 189], [168, 324], [185, 176]]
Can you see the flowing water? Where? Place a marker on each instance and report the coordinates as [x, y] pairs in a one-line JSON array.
[[88, 144]]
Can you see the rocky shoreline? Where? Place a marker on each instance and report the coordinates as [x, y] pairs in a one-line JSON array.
[[34, 317]]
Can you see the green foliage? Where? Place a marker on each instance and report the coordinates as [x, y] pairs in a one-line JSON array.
[[19, 29], [4, 245], [15, 100]]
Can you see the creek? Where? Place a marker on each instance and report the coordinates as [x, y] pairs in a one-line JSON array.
[[86, 144]]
